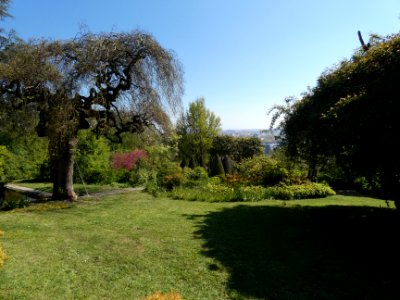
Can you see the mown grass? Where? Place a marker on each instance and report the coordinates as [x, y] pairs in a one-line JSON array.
[[131, 246]]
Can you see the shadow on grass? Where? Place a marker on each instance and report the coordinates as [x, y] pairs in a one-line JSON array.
[[332, 252]]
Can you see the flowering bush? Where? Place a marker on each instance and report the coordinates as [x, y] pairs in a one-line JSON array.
[[234, 179], [170, 175], [127, 161]]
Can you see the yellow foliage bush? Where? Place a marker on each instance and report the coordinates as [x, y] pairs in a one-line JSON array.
[[160, 296]]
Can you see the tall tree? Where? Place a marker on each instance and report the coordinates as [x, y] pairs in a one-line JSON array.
[[197, 128], [112, 83], [352, 115]]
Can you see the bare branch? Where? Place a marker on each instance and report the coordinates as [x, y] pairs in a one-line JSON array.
[[363, 45]]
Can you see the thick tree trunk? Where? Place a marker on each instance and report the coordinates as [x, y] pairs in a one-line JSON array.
[[62, 164]]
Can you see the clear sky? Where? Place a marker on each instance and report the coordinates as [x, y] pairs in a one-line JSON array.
[[242, 56]]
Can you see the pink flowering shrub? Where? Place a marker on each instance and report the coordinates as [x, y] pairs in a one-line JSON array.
[[127, 161]]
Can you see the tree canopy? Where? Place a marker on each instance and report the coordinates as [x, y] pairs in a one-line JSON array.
[[196, 129], [111, 83], [352, 115]]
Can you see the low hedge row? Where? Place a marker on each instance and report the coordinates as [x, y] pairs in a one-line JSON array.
[[223, 193]]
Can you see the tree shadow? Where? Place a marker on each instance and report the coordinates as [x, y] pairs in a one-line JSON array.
[[331, 252]]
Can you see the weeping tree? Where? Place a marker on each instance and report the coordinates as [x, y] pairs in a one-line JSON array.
[[111, 83]]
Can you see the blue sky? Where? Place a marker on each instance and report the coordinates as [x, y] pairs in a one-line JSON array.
[[242, 56]]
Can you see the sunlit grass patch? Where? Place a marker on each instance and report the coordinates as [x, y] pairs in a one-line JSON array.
[[161, 296], [3, 255]]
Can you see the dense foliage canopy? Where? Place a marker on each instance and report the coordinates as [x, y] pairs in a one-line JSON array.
[[352, 116]]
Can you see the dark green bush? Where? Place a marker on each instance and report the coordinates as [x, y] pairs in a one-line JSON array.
[[197, 174], [196, 177], [216, 166], [13, 200]]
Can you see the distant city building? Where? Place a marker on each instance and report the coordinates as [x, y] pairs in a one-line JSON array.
[[267, 137]]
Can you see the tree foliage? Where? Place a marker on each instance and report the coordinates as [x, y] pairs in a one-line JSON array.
[[235, 149], [4, 9], [3, 156], [352, 116], [196, 129], [111, 83], [93, 159], [26, 153]]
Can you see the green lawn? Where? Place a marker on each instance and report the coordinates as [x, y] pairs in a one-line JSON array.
[[129, 246]]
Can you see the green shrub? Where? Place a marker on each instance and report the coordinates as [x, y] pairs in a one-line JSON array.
[[171, 175], [262, 170], [280, 193], [224, 193], [296, 177], [93, 160], [370, 185], [250, 193], [153, 188], [207, 193], [215, 180], [141, 176], [195, 177], [302, 191], [198, 174], [22, 158]]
